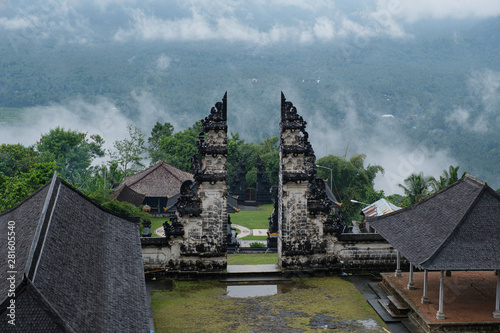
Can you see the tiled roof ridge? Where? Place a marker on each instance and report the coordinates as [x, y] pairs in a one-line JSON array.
[[45, 219], [41, 230], [457, 226]]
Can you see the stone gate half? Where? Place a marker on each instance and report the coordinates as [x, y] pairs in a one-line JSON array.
[[307, 219]]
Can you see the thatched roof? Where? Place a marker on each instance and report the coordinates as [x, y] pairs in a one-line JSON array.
[[457, 228], [79, 267], [161, 180]]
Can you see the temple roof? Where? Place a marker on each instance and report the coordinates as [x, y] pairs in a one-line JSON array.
[[457, 228], [78, 266], [160, 180]]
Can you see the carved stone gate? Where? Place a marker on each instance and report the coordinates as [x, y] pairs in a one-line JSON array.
[[305, 226]]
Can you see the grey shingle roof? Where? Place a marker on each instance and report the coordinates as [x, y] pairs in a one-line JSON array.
[[83, 261], [160, 180], [457, 228]]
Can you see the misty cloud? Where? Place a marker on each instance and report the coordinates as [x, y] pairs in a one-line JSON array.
[[484, 86], [163, 62], [381, 141], [412, 11]]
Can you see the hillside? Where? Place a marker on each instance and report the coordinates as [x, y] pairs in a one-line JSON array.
[[440, 89]]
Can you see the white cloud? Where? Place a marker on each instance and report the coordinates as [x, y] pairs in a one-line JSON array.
[[17, 23], [323, 28], [412, 11], [163, 62], [485, 88]]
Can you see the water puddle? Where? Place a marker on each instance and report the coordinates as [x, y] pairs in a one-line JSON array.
[[252, 290], [159, 284], [256, 290]]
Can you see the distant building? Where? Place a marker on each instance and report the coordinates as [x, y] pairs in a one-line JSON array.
[[77, 267], [152, 186], [378, 208]]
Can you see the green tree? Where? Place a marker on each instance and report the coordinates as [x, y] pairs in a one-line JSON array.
[[267, 149], [351, 181], [449, 177], [128, 152], [15, 189], [158, 132], [16, 159], [71, 150], [178, 148], [416, 187]]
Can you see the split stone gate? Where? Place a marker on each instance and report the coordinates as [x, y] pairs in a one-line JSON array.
[[305, 226]]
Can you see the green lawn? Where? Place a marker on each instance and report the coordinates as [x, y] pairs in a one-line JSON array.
[[306, 305], [157, 222], [253, 219], [252, 259]]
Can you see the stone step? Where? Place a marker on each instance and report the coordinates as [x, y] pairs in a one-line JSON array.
[[251, 269], [386, 305], [377, 289], [399, 305], [382, 312]]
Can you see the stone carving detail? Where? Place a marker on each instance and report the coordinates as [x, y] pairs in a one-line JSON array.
[[318, 201], [272, 233], [173, 229], [238, 185], [217, 119], [188, 204]]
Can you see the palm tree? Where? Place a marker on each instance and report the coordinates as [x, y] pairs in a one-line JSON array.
[[449, 177], [416, 187]]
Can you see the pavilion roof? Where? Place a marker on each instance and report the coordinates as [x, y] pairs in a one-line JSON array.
[[160, 180], [78, 266], [457, 228]]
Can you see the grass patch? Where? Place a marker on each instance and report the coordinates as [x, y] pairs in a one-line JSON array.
[[253, 219], [157, 222], [260, 238], [204, 307], [252, 259]]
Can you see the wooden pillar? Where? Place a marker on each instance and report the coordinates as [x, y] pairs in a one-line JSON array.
[[496, 314], [440, 314], [397, 273], [411, 285], [425, 299]]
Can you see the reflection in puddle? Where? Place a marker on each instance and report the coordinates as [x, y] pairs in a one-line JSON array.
[[159, 284], [256, 290], [252, 290]]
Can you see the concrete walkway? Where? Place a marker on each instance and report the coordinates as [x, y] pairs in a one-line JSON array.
[[244, 232]]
